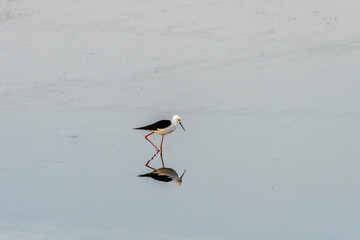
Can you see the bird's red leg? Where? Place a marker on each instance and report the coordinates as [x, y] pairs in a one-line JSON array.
[[162, 139], [151, 141]]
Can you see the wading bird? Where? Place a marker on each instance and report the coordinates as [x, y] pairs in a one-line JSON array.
[[162, 127]]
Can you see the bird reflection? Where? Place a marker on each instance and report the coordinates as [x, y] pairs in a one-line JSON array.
[[163, 174]]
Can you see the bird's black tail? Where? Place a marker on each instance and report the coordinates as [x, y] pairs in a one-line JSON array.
[[139, 128]]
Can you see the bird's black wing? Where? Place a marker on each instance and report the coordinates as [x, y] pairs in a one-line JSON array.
[[158, 177], [155, 126]]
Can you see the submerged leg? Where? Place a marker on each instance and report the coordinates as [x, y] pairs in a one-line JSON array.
[[151, 141]]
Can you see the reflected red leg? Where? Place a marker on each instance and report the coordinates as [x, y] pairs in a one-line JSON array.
[[162, 139], [147, 164], [162, 160], [151, 141]]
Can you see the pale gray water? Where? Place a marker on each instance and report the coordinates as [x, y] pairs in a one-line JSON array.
[[281, 176], [270, 108]]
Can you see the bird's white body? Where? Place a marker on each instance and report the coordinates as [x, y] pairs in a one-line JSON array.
[[167, 130], [163, 131]]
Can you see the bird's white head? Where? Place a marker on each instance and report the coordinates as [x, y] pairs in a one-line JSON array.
[[176, 119]]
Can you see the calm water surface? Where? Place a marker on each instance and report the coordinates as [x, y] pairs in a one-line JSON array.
[[247, 176]]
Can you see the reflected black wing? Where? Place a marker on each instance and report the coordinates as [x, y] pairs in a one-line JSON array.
[[163, 178], [159, 124]]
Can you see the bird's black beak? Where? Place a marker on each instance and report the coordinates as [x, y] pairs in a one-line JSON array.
[[182, 174], [182, 126]]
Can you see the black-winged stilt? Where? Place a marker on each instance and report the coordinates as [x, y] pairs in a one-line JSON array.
[[162, 127], [165, 175]]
